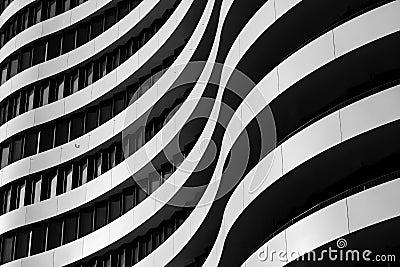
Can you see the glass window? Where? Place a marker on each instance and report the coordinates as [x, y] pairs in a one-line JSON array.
[[21, 195], [7, 249], [105, 114], [83, 172], [100, 215], [4, 74], [76, 126], [103, 66], [46, 138], [123, 9], [154, 180], [91, 119], [22, 245], [133, 4], [24, 20], [110, 18], [30, 99], [115, 207], [142, 190], [68, 41], [62, 133], [75, 82], [54, 234], [67, 5], [26, 59], [60, 88], [52, 184], [97, 26], [14, 67], [85, 222], [38, 13], [53, 47], [119, 103], [39, 53], [7, 200], [17, 105], [83, 34], [129, 199], [68, 175], [44, 94], [4, 156], [97, 166], [37, 187], [31, 140], [52, 8], [89, 75], [38, 238], [70, 228], [17, 149]]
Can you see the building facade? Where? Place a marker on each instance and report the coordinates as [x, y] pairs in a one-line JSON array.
[[199, 133]]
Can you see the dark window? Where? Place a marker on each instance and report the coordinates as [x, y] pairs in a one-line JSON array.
[[7, 249], [62, 133], [50, 185], [24, 20], [97, 26], [115, 207], [30, 99], [52, 8], [17, 105], [36, 190], [54, 234], [85, 222], [133, 4], [68, 178], [83, 172], [97, 165], [76, 126], [129, 200], [21, 195], [60, 87], [17, 149], [89, 75], [100, 215], [110, 18], [38, 13], [44, 94], [4, 156], [46, 138], [123, 9], [53, 47], [105, 114], [103, 66], [67, 5], [26, 59], [91, 119], [38, 238], [70, 228], [68, 42], [30, 144], [83, 34], [4, 72], [22, 245], [13, 66], [116, 59], [119, 103], [39, 53], [74, 82]]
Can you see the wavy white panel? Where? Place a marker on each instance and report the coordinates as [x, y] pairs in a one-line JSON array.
[[371, 112], [368, 27], [377, 204]]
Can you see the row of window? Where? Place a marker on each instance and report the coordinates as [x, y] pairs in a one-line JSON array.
[[132, 252], [65, 84], [63, 130], [60, 180], [33, 14], [67, 40], [47, 235], [4, 4]]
